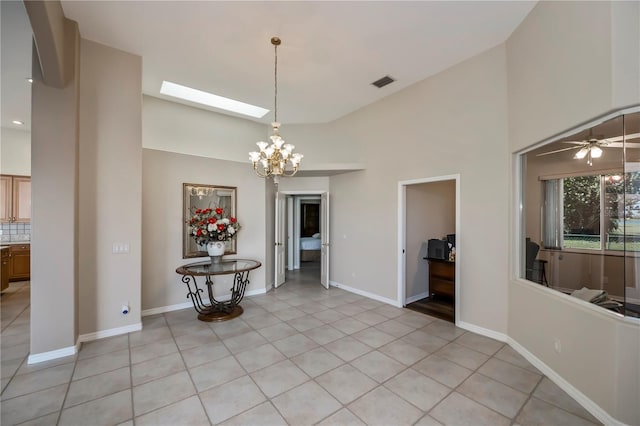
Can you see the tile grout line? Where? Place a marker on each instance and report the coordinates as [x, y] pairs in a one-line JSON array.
[[133, 407], [309, 378], [195, 388], [526, 401]]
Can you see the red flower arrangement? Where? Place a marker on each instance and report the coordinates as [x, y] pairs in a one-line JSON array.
[[207, 225]]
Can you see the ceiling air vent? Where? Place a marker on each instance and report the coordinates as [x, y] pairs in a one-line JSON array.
[[383, 81]]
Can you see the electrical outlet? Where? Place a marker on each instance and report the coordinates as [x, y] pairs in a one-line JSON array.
[[557, 346]]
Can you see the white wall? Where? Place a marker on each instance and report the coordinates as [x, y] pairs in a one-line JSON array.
[[270, 231], [319, 143], [560, 63], [162, 218], [15, 152], [110, 184], [299, 184], [181, 129], [431, 213], [54, 206], [452, 123], [560, 49], [173, 127]]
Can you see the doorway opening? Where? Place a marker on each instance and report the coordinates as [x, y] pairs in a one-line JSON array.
[[429, 238], [302, 237]]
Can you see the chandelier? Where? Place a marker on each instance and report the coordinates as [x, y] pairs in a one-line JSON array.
[[201, 191], [274, 159]]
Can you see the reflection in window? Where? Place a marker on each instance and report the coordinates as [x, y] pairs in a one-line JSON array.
[[581, 214]]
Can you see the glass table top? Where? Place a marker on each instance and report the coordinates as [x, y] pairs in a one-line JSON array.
[[230, 266]]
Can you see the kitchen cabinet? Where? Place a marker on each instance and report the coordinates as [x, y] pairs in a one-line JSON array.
[[4, 271], [15, 199], [20, 262]]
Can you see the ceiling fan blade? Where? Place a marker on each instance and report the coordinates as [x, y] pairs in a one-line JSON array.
[[621, 145], [627, 137], [576, 142], [557, 150]]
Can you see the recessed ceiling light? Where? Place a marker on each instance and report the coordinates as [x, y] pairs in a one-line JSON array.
[[205, 98], [18, 122], [29, 79]]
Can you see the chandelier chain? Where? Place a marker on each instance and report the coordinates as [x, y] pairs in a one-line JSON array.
[[275, 78]]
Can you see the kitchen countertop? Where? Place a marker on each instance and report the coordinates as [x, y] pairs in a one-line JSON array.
[[12, 243]]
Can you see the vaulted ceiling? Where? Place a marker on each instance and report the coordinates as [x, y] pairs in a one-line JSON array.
[[331, 52]]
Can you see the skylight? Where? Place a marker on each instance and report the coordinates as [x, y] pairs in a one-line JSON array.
[[205, 98]]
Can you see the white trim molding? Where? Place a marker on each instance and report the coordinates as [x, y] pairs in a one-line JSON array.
[[581, 398], [51, 355], [417, 297], [185, 305], [366, 294], [88, 337], [501, 337], [402, 237]]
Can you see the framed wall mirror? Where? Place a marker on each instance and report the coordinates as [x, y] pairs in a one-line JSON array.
[[198, 196]]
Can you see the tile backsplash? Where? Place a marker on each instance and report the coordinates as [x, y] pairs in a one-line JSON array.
[[15, 232]]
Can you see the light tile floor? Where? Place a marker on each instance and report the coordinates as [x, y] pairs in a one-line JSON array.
[[298, 355]]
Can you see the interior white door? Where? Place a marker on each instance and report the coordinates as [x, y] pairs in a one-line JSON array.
[[290, 260], [324, 233], [280, 239]]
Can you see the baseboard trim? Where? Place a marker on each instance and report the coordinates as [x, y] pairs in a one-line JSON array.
[[88, 337], [51, 355], [417, 297], [501, 337], [366, 294], [179, 306], [581, 398]]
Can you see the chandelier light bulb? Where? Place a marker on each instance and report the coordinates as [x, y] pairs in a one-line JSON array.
[[254, 156], [596, 152], [582, 153]]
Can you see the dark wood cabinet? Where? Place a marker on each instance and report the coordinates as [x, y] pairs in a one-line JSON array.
[[20, 262], [442, 278], [4, 272]]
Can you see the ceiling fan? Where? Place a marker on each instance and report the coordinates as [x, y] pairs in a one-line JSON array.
[[592, 147]]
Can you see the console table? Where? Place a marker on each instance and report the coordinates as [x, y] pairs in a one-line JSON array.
[[217, 310]]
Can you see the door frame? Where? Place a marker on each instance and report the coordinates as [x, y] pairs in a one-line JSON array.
[[402, 237], [297, 208], [303, 192]]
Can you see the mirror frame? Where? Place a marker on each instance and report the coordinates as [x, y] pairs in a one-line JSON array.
[[188, 245]]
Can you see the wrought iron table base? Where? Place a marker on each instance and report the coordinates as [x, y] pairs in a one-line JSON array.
[[217, 310]]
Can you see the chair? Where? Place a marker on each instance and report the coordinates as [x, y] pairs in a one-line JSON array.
[[535, 268]]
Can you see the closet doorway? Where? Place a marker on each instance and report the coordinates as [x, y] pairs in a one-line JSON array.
[[429, 209]]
